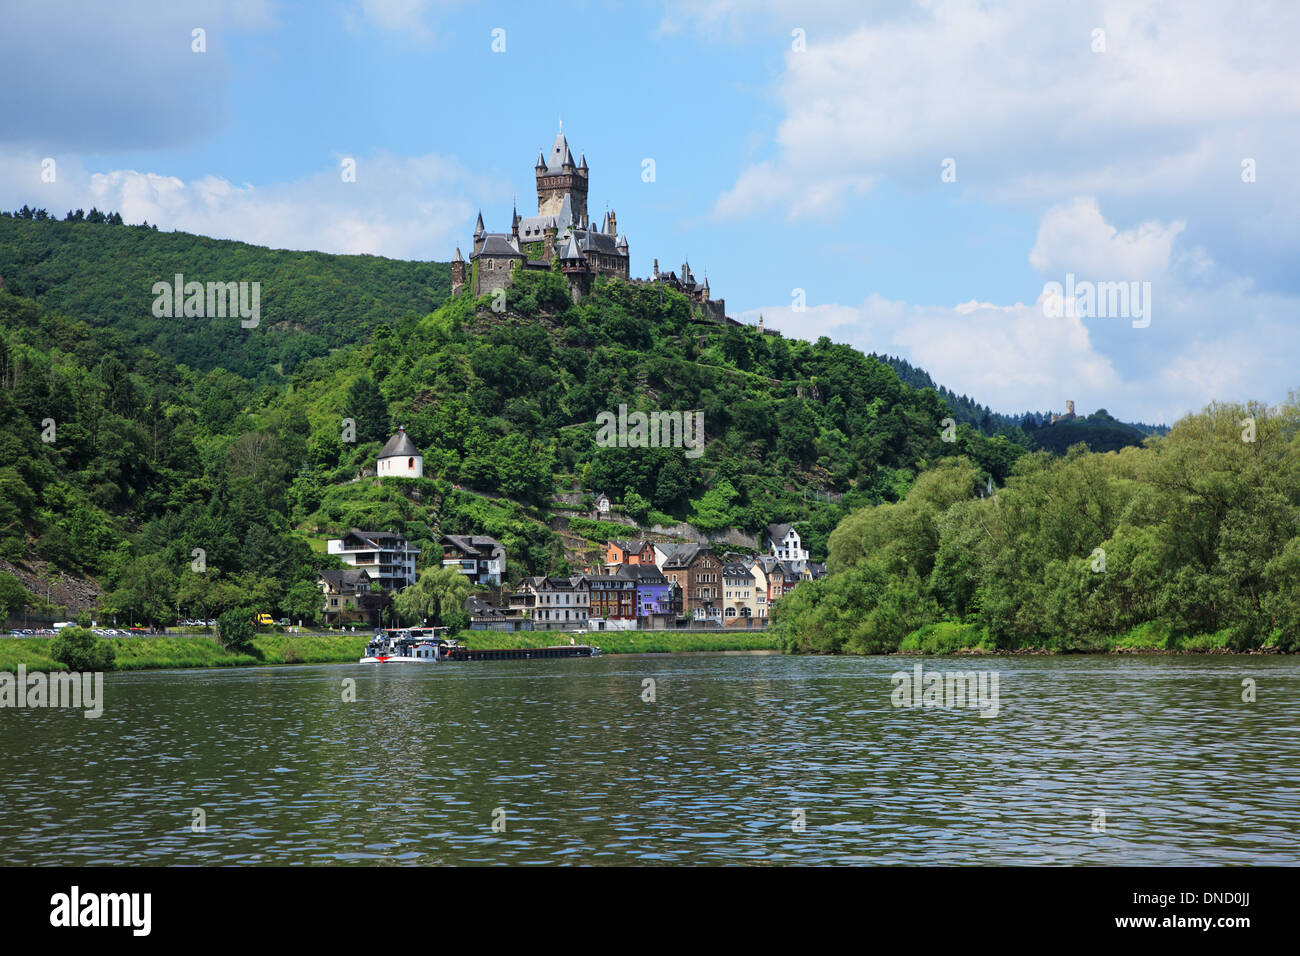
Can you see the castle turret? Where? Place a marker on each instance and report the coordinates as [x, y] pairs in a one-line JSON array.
[[457, 273], [480, 233], [613, 224]]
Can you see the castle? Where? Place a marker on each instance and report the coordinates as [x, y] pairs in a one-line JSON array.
[[561, 234]]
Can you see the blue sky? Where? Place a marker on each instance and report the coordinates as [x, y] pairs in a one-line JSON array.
[[797, 146]]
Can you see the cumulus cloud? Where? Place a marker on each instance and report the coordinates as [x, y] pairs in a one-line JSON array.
[[411, 208], [1223, 340], [1157, 124], [1073, 237]]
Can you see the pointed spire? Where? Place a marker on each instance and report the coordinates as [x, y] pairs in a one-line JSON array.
[[478, 226], [458, 256], [622, 242], [541, 160], [583, 163], [559, 152]]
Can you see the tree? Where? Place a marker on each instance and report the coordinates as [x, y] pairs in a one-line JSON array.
[[13, 596], [439, 595], [235, 630], [81, 650], [366, 406]]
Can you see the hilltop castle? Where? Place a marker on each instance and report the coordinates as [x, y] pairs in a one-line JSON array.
[[561, 233]]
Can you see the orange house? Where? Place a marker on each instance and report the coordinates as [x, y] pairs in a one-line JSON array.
[[629, 552]]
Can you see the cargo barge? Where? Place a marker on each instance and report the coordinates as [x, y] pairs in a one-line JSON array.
[[429, 645]]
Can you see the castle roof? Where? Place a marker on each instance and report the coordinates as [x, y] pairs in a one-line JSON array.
[[601, 242], [399, 446], [560, 155], [499, 244], [571, 251], [532, 228]]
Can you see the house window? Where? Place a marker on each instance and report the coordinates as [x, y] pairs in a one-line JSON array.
[[410, 463]]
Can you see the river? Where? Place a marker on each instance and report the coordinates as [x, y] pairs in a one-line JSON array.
[[724, 759]]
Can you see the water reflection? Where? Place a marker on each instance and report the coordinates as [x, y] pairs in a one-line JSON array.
[[711, 772]]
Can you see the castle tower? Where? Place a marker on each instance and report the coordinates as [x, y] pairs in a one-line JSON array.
[[457, 273], [558, 177], [612, 223]]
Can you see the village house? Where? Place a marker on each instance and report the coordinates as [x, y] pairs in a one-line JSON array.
[[781, 578], [558, 603], [697, 573], [656, 602], [738, 601], [613, 596], [618, 553], [662, 553], [349, 598], [387, 556], [759, 573], [478, 557], [785, 543]]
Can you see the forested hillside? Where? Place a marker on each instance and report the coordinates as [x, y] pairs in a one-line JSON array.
[[310, 302], [1103, 434], [134, 443], [1191, 542]]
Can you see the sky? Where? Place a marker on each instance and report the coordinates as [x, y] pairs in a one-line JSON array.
[[909, 176]]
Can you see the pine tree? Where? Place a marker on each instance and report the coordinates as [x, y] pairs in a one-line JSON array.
[[366, 406]]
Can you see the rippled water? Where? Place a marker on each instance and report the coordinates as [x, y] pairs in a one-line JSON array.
[[712, 771]]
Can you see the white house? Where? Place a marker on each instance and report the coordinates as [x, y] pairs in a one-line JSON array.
[[785, 543], [400, 458], [386, 556], [478, 557]]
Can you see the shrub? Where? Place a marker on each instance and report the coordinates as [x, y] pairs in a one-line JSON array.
[[235, 629], [81, 650]]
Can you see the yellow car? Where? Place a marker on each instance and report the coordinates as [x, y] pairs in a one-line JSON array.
[[262, 620]]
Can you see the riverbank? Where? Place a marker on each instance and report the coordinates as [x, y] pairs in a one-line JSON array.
[[145, 653], [952, 637], [148, 653]]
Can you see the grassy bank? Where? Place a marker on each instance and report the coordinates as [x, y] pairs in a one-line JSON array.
[[139, 653], [631, 642]]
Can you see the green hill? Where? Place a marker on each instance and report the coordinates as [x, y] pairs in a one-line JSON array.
[[311, 302], [172, 435]]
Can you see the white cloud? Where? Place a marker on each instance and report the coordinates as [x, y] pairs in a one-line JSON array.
[[1220, 340], [1073, 237], [411, 208], [1157, 125]]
